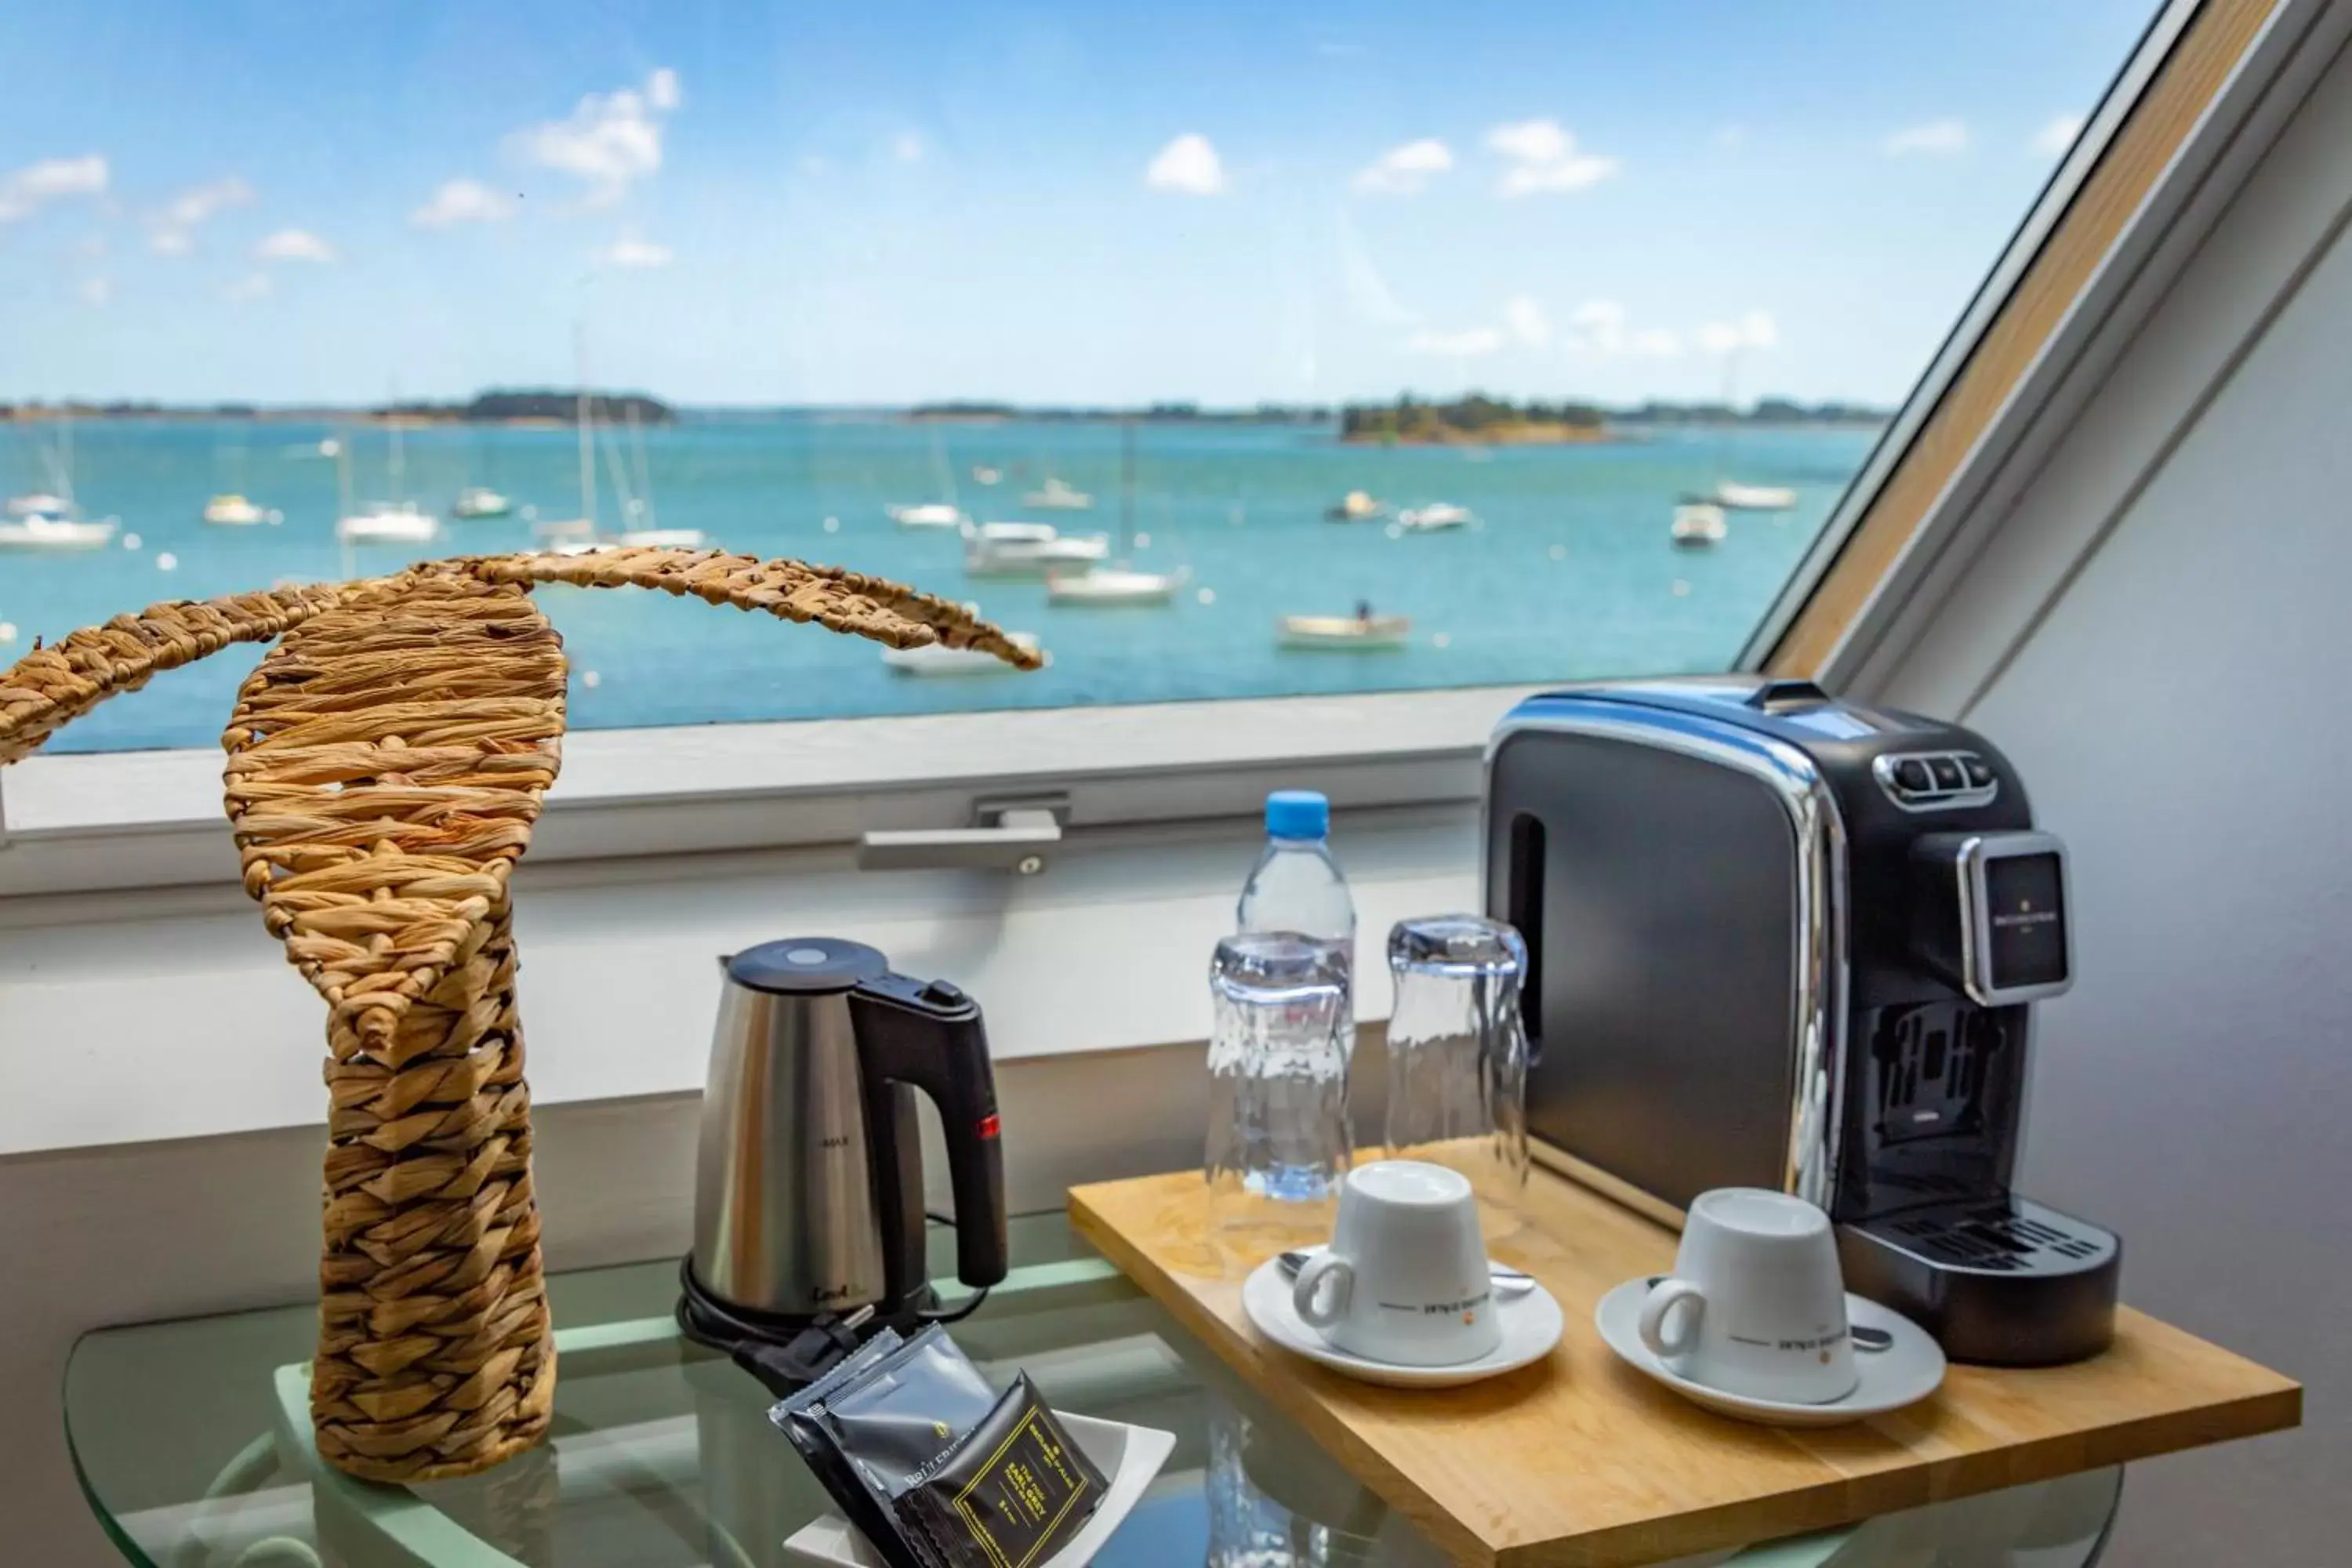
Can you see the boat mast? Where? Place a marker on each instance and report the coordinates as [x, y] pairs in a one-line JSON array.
[[1126, 488], [585, 418]]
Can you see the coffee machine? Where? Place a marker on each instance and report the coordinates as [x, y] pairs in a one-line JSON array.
[[1779, 941], [809, 1226]]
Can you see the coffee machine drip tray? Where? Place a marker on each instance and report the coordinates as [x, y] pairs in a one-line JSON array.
[[2007, 1282]]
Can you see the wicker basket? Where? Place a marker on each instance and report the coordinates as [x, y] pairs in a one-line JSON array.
[[388, 761]]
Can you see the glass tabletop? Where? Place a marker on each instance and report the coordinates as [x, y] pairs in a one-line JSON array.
[[190, 1439]]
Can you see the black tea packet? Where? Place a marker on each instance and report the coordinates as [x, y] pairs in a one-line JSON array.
[[1011, 1492]]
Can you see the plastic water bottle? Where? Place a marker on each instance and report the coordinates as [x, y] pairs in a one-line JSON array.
[[1296, 886]]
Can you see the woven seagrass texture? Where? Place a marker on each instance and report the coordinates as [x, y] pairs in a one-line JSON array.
[[386, 763]]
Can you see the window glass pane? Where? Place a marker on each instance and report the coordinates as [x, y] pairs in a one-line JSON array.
[[1338, 348]]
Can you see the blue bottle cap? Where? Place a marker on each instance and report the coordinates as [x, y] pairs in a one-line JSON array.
[[1298, 814]]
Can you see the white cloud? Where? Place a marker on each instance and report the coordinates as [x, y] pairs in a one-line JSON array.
[[96, 291], [1406, 170], [294, 245], [1526, 321], [26, 191], [635, 255], [1756, 330], [1599, 328], [1936, 138], [1654, 342], [462, 201], [1543, 157], [252, 286], [1187, 164], [172, 227], [1465, 344], [907, 147], [612, 140], [2053, 139]]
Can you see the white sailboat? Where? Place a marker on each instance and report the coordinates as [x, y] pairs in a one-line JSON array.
[[1027, 550], [927, 514], [939, 659], [643, 531], [476, 502], [1734, 497], [399, 521], [1698, 525], [1361, 633], [231, 509], [1108, 586], [50, 519], [1057, 495], [1356, 506], [1436, 518]]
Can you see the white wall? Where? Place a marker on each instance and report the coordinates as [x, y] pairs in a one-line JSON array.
[[2179, 711]]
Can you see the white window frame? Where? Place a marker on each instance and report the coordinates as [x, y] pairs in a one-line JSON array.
[[89, 823]]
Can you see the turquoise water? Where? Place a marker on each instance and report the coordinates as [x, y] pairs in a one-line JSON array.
[[1570, 576]]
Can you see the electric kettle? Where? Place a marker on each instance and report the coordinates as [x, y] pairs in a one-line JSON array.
[[808, 1197]]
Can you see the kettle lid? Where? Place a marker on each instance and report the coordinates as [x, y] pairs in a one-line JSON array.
[[806, 964]]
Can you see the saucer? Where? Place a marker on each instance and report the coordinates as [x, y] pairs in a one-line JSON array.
[[1531, 1325], [1905, 1373]]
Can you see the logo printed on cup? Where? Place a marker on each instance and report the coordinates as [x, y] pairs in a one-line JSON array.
[[1756, 1305]]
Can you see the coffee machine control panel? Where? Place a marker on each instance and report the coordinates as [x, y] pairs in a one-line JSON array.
[[1935, 780]]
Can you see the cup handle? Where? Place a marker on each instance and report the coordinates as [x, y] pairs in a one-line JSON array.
[[1307, 1289], [1662, 1300]]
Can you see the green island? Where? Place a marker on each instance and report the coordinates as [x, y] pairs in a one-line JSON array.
[[1474, 420]]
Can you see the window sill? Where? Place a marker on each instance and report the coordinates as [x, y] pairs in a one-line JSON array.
[[150, 819]]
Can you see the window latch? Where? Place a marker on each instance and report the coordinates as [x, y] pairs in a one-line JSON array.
[[1005, 836]]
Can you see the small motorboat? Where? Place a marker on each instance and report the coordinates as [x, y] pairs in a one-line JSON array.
[[1698, 525], [937, 658], [1435, 518], [1357, 506], [1113, 585], [1356, 634], [47, 530], [389, 523], [1752, 497], [477, 502], [233, 511], [1056, 495], [927, 514]]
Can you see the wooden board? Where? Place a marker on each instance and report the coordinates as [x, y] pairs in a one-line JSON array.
[[1584, 1463]]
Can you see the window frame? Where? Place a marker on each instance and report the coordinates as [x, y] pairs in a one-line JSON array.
[[2091, 252]]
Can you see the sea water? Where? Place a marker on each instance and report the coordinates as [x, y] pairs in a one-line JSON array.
[[1568, 574]]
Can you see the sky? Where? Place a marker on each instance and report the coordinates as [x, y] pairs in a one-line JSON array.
[[1224, 201]]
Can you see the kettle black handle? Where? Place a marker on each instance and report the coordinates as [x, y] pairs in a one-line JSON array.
[[930, 1037]]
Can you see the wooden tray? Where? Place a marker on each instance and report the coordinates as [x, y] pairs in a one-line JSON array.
[[1581, 1462]]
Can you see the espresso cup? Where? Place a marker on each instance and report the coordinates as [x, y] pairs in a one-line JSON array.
[[1756, 1305], [1404, 1280]]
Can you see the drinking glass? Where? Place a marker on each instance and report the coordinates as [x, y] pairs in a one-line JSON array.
[[1458, 1056], [1279, 1140]]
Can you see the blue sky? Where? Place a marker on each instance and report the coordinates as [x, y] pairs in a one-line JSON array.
[[1224, 200]]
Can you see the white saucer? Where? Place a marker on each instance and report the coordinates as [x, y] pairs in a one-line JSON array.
[[1903, 1374], [1531, 1325]]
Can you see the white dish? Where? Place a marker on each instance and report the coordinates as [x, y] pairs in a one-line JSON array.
[[1531, 1325], [1129, 1458], [1907, 1371]]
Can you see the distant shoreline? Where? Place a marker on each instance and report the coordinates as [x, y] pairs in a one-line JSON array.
[[1523, 435]]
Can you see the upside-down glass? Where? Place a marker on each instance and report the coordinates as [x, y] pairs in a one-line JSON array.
[[1279, 1140], [1458, 1056]]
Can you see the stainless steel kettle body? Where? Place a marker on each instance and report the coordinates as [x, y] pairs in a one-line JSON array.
[[808, 1181]]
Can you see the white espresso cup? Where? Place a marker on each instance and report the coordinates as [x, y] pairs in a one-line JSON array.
[[1755, 1306], [1404, 1280]]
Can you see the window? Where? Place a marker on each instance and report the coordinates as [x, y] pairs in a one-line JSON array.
[[1353, 350]]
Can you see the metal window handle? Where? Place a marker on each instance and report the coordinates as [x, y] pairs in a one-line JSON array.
[[1005, 836]]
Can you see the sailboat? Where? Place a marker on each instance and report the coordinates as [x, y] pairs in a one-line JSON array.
[[579, 535], [50, 519], [637, 501], [1120, 584], [934, 513], [477, 502], [1734, 497], [1698, 525], [1729, 495], [1436, 518], [396, 521], [1056, 495], [230, 508]]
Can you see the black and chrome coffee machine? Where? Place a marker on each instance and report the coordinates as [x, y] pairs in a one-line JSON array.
[[1776, 939], [809, 1226]]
